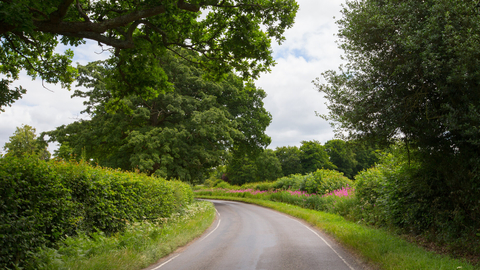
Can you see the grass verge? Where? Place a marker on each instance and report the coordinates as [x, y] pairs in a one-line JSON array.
[[138, 247], [376, 246]]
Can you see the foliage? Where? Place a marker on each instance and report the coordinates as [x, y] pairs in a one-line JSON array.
[[232, 35], [268, 166], [348, 157], [341, 156], [395, 194], [181, 134], [262, 186], [412, 68], [24, 142], [320, 182], [368, 185], [244, 168], [314, 157], [42, 202], [366, 154], [412, 75], [290, 159], [140, 245]]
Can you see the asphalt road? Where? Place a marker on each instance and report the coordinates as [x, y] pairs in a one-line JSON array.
[[246, 236]]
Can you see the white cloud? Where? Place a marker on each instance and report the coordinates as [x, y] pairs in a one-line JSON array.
[[309, 50]]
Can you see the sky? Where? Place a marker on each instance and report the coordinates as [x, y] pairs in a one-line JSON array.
[[310, 48]]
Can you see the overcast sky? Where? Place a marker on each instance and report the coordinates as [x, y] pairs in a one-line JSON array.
[[309, 50]]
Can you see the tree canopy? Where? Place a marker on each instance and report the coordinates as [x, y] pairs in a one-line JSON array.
[[24, 142], [342, 156], [247, 168], [314, 157], [412, 75], [289, 157], [229, 34], [182, 133]]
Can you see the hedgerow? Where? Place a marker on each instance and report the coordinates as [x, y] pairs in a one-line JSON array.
[[43, 202], [319, 182]]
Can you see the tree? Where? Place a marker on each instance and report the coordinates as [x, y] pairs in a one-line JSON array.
[[412, 75], [366, 154], [268, 166], [230, 34], [243, 168], [342, 156], [25, 142], [314, 157], [182, 133], [290, 159]]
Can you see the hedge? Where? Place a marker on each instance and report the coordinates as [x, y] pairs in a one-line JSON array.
[[42, 202]]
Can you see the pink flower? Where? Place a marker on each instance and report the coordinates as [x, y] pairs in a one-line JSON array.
[[343, 192]]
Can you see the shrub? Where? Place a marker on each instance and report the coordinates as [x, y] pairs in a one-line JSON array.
[[262, 186], [41, 202], [331, 180], [292, 182], [35, 208], [319, 182], [222, 184], [368, 185]]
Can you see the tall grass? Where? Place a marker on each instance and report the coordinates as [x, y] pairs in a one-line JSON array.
[[139, 246]]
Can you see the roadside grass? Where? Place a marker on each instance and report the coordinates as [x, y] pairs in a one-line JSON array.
[[376, 246], [138, 247]]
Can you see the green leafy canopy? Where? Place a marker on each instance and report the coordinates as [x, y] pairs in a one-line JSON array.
[[411, 73], [229, 34], [182, 133]]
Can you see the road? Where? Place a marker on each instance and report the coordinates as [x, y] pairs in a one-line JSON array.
[[246, 236]]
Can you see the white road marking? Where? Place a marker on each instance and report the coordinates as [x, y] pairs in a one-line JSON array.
[[165, 262], [198, 241], [211, 231], [349, 266]]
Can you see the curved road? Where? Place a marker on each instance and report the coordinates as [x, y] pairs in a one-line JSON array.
[[246, 236]]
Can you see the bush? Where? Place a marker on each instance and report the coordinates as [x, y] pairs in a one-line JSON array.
[[35, 208], [222, 184], [42, 202], [292, 182], [319, 182], [262, 186], [368, 185]]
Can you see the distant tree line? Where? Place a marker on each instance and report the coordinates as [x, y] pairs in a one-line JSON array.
[[348, 157]]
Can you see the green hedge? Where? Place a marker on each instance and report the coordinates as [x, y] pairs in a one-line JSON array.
[[43, 202], [320, 182]]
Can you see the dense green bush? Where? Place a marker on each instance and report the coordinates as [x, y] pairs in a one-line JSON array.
[[368, 185], [35, 208], [42, 202], [292, 182], [319, 182], [262, 186], [401, 193]]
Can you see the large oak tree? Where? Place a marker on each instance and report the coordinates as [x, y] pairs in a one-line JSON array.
[[182, 133], [230, 34]]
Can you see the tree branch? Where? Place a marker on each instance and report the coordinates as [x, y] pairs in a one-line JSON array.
[[82, 13], [100, 27], [21, 54], [186, 6], [116, 43], [59, 14]]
